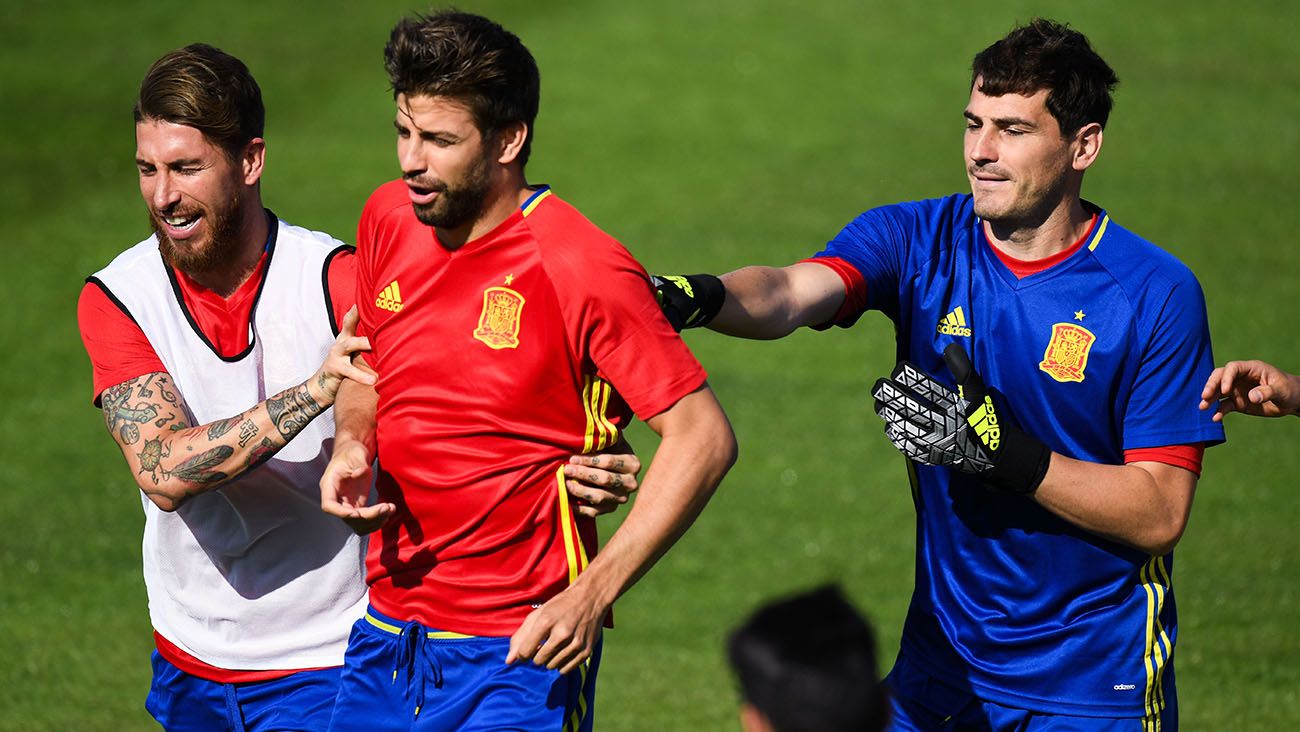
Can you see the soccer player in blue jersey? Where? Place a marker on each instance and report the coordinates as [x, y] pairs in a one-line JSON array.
[[1043, 595]]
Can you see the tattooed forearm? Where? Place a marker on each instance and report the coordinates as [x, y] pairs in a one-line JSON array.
[[202, 467], [247, 431], [260, 454], [221, 427], [292, 409]]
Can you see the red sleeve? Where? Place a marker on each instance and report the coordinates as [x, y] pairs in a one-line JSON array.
[[117, 347], [612, 317], [855, 289], [340, 284], [1187, 457]]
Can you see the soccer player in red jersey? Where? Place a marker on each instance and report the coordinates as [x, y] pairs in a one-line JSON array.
[[252, 590], [507, 331]]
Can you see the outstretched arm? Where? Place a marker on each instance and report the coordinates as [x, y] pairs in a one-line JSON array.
[[172, 460], [754, 302], [697, 449], [1251, 387]]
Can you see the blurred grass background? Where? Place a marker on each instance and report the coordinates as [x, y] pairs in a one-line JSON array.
[[704, 136]]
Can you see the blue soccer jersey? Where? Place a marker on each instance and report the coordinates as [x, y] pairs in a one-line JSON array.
[[1104, 352]]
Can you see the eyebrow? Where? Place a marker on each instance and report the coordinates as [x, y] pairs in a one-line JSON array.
[[172, 163], [1002, 121], [425, 134]]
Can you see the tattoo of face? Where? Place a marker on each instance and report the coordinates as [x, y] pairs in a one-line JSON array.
[[221, 427], [291, 410], [616, 483], [201, 468]]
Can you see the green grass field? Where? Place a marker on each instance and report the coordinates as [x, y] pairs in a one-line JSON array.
[[705, 136]]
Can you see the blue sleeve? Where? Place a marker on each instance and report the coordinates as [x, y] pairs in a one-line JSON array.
[[1163, 408], [875, 243]]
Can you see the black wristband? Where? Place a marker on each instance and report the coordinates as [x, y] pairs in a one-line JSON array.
[[689, 301]]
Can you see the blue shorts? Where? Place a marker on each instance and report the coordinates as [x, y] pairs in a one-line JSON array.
[[183, 703], [921, 703], [403, 676]]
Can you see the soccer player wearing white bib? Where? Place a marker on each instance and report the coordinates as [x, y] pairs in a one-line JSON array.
[[216, 344]]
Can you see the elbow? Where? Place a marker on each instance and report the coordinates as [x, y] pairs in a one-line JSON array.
[[1162, 536], [164, 496], [725, 452]]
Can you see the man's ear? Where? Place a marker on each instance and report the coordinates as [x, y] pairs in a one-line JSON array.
[[511, 140], [1087, 145], [253, 158]]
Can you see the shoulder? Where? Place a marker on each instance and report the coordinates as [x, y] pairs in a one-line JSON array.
[[570, 244], [909, 220], [287, 233], [1142, 269], [386, 199], [133, 259]]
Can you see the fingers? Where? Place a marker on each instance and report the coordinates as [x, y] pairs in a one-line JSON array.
[[958, 362], [625, 463], [553, 643], [348, 327], [1215, 386], [358, 375], [920, 383], [369, 519], [601, 491], [525, 641]]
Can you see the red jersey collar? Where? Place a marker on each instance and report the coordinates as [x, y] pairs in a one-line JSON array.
[[1022, 268]]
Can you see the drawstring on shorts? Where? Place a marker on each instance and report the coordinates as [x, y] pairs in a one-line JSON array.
[[418, 659]]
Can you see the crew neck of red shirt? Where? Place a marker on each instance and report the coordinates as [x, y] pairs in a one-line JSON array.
[[1022, 268], [224, 320]]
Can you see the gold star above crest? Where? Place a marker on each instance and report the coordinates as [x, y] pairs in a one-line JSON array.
[[1078, 315], [510, 278]]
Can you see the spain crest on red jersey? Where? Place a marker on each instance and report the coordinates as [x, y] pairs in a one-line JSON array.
[[1067, 353], [498, 324]]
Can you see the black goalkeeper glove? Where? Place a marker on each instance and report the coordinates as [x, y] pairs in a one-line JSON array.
[[931, 424], [689, 301]]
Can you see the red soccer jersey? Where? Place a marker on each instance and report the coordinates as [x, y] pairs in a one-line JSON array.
[[495, 364]]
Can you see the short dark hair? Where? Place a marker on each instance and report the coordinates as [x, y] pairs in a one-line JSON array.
[[808, 663], [1048, 55], [205, 88], [471, 59]]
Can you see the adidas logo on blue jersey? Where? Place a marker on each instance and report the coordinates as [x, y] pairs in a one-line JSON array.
[[954, 324]]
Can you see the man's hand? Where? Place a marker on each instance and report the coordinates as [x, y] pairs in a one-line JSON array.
[[345, 489], [339, 364], [562, 633], [602, 482], [689, 301], [1251, 387], [931, 424]]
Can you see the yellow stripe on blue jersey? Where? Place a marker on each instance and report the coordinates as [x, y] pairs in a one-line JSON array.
[[1101, 231], [1158, 647]]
